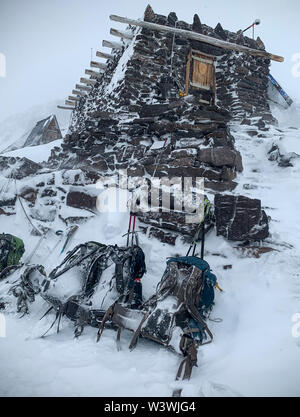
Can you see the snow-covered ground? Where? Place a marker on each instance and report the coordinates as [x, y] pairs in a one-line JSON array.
[[15, 129], [253, 353], [37, 153]]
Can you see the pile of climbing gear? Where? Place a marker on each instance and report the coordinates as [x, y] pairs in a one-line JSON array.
[[11, 250]]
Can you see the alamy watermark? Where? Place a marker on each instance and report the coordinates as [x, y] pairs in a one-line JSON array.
[[2, 65], [296, 326], [296, 66], [2, 325], [122, 193]]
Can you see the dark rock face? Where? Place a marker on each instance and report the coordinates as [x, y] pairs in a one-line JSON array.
[[239, 218], [81, 200], [18, 168]]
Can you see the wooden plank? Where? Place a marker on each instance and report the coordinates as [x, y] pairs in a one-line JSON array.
[[93, 74], [65, 108], [72, 98], [86, 81], [104, 55], [70, 103], [121, 34], [187, 74], [198, 37], [78, 93], [96, 64], [200, 85], [112, 45], [83, 87], [205, 61]]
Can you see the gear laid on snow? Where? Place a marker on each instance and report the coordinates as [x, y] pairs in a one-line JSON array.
[[80, 288], [11, 250], [175, 315]]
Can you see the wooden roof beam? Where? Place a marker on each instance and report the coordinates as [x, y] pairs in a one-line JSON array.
[[83, 88], [87, 81], [93, 74], [72, 98], [121, 34], [104, 55], [78, 93], [112, 45], [198, 37], [65, 108], [100, 65], [70, 103]]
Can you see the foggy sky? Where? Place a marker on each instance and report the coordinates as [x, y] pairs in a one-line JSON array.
[[47, 43]]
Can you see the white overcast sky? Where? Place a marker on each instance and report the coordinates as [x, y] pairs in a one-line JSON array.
[[47, 43]]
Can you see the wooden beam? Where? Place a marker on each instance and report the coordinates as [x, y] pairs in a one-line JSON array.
[[78, 93], [104, 55], [83, 88], [72, 98], [112, 45], [87, 81], [93, 74], [70, 103], [96, 64], [65, 108], [121, 34], [198, 37]]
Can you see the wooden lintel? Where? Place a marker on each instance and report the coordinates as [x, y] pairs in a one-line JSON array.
[[65, 108], [104, 55], [121, 34], [87, 81], [96, 64], [83, 87], [112, 45], [72, 98], [198, 37]]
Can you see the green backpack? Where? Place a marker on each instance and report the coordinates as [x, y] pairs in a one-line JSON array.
[[11, 250]]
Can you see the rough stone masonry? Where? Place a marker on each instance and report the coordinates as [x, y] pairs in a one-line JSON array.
[[138, 102]]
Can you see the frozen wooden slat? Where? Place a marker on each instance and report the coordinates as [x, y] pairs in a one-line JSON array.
[[65, 108], [72, 98], [83, 87], [121, 34], [87, 81], [198, 37], [112, 45], [104, 55], [78, 93], [70, 103], [100, 65]]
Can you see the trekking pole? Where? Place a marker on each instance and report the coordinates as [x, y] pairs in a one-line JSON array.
[[133, 229], [202, 240], [129, 227]]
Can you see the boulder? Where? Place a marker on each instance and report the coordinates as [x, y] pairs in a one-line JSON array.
[[221, 156], [240, 218], [81, 200]]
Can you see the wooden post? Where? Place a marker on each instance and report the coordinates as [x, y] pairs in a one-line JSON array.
[[72, 98], [198, 37], [96, 64], [65, 108], [93, 74], [104, 55], [78, 93], [112, 45], [121, 34], [86, 81], [70, 103], [187, 76], [83, 88]]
